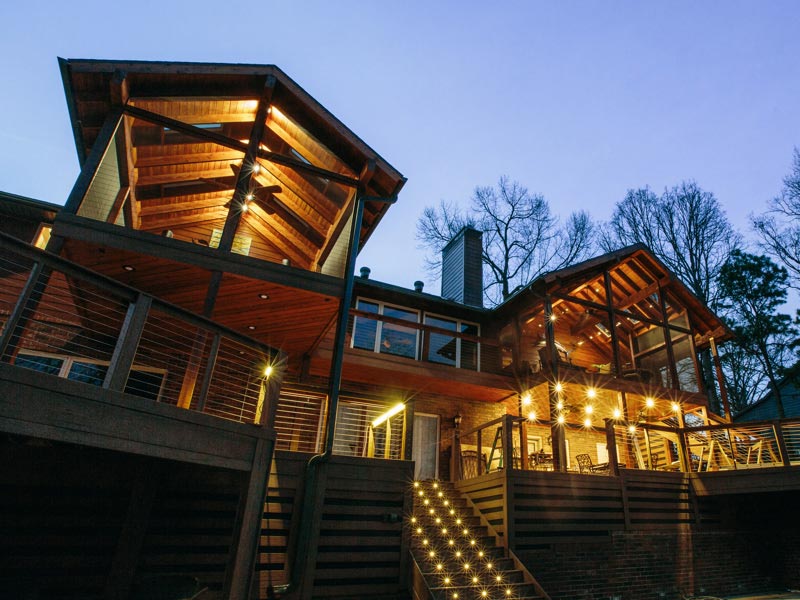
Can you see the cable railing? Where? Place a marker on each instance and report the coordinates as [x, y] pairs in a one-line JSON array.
[[704, 448], [64, 320]]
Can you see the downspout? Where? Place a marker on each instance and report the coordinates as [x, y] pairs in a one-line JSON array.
[[335, 380]]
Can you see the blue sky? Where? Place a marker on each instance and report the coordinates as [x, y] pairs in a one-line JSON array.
[[578, 101]]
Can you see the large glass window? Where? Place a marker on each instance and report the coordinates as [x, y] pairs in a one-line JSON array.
[[450, 349], [386, 336]]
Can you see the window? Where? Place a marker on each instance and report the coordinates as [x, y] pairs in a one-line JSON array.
[[386, 337], [448, 349], [145, 382]]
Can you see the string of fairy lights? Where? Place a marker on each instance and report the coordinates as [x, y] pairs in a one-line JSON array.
[[588, 410], [452, 551]]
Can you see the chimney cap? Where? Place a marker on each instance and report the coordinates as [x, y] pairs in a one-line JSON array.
[[365, 271], [418, 285]]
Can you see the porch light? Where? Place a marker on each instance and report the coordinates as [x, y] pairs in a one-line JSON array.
[[591, 393], [389, 414], [617, 413], [268, 371], [526, 399], [649, 402]]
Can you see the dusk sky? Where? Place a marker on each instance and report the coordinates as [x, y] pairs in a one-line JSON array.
[[578, 101]]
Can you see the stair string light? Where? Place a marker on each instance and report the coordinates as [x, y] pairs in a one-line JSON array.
[[480, 563]]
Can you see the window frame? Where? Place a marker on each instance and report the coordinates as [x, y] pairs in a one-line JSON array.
[[379, 327], [459, 324]]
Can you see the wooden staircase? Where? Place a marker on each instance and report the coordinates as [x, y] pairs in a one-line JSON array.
[[456, 557]]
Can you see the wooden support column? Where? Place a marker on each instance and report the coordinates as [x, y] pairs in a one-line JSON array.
[[673, 369], [723, 390], [612, 323], [557, 430], [611, 446], [241, 568]]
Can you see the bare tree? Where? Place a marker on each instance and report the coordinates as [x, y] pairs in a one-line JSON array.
[[779, 228], [521, 237], [745, 379], [685, 227], [688, 231]]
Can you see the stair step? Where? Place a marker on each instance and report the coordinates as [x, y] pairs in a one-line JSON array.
[[522, 591], [487, 562]]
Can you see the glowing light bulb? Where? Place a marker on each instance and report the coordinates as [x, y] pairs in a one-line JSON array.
[[256, 168], [498, 578], [458, 553], [268, 370], [591, 393], [676, 407], [587, 422], [439, 566], [508, 591], [526, 399], [472, 542], [431, 511], [425, 542], [451, 542], [484, 593], [561, 419], [416, 484], [466, 566], [435, 485], [559, 388], [649, 402], [588, 409], [421, 493], [447, 581], [438, 520], [532, 416], [432, 554], [466, 532], [481, 555], [474, 580], [419, 529], [488, 565], [413, 519], [440, 494], [553, 317], [458, 521], [426, 502], [452, 511], [632, 429], [444, 530], [559, 405], [617, 413]]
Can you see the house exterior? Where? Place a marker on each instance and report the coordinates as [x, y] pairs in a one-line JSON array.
[[193, 374], [766, 409]]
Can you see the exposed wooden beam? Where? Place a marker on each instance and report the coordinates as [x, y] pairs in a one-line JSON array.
[[187, 158], [201, 216], [224, 140], [245, 171], [284, 245], [163, 178]]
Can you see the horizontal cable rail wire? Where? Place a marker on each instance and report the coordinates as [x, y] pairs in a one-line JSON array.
[[356, 435], [63, 320], [299, 421]]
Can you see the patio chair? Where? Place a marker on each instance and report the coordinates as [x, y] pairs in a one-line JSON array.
[[585, 465], [469, 464]]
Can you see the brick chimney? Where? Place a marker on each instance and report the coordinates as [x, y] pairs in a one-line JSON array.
[[462, 268]]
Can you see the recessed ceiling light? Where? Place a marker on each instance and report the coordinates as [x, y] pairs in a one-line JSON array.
[[129, 267], [264, 296], [251, 327]]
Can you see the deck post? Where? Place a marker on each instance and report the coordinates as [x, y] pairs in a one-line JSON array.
[[128, 342], [244, 548], [16, 322], [611, 446], [781, 441]]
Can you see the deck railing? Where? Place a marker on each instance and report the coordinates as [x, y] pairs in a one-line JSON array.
[[67, 321], [642, 446], [753, 445]]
